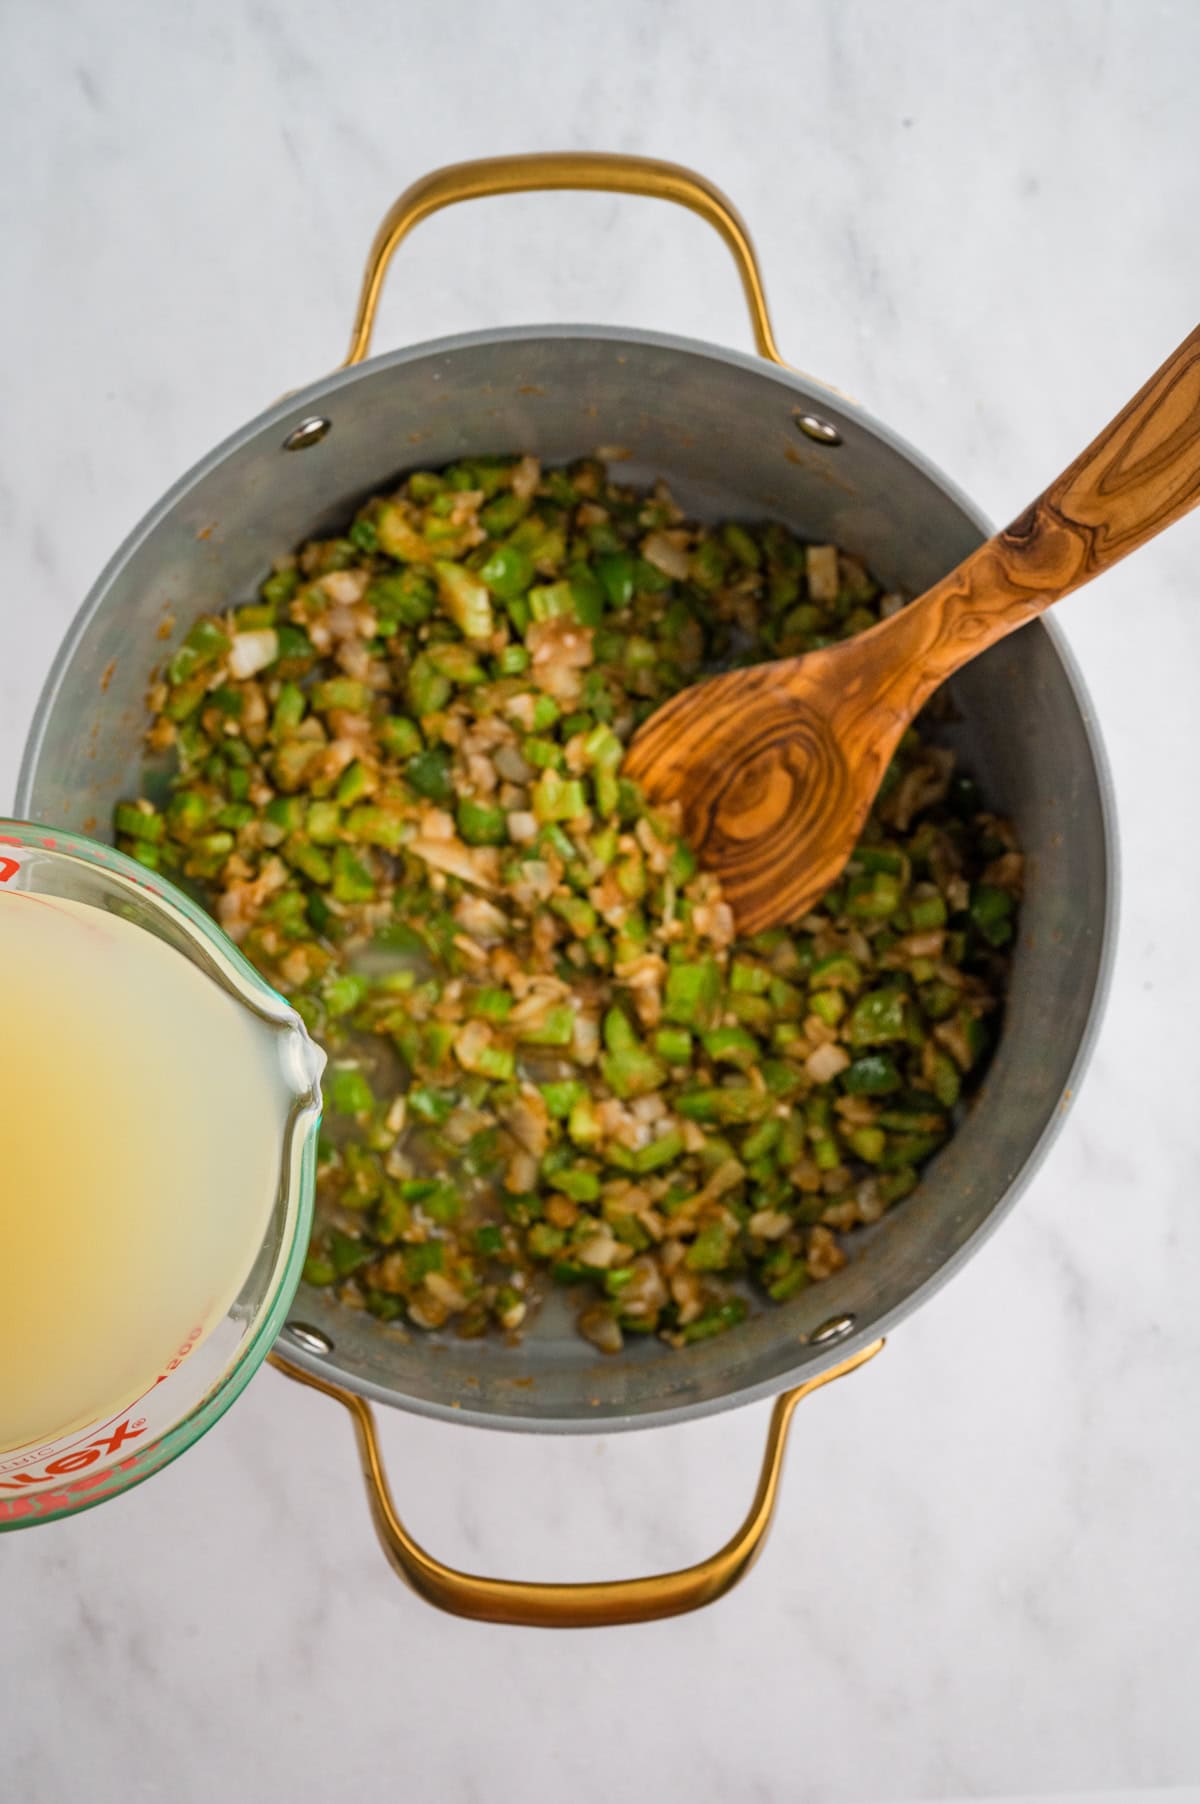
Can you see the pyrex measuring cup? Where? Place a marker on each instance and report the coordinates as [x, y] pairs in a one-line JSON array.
[[50, 1478]]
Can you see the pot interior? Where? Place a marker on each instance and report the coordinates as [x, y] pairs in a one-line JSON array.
[[723, 430]]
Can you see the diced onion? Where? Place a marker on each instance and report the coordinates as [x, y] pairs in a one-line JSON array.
[[826, 1062], [252, 652]]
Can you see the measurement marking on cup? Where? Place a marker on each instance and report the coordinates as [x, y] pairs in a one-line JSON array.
[[67, 1463], [57, 1450]]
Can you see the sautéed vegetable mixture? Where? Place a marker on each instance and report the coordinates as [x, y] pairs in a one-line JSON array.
[[396, 781]]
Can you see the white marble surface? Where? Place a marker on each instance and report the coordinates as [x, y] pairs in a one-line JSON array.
[[985, 1577]]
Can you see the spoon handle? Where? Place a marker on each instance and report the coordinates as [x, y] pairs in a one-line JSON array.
[[1139, 475]]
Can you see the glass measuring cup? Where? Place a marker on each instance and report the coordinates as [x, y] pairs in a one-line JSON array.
[[57, 1476]]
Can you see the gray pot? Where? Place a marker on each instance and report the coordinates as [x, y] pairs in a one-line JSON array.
[[734, 436]]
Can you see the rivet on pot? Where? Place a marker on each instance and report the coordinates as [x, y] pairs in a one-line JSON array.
[[308, 432], [311, 1339], [833, 1329], [822, 432]]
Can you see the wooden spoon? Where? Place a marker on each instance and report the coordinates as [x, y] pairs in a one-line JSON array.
[[777, 766]]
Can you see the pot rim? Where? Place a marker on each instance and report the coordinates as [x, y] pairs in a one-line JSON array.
[[286, 414]]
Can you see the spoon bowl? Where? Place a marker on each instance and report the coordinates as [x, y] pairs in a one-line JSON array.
[[776, 767]]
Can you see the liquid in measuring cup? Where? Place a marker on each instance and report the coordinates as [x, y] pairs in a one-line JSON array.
[[142, 1110]]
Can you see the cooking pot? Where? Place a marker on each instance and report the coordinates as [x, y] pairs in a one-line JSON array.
[[734, 436]]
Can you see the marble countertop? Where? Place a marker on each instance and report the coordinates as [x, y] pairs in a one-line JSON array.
[[985, 1574]]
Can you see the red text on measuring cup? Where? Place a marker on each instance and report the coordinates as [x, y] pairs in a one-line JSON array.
[[108, 1442]]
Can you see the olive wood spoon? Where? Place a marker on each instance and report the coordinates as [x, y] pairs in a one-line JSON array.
[[776, 767]]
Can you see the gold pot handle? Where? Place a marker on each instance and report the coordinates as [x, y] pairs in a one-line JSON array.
[[578, 169], [561, 1606]]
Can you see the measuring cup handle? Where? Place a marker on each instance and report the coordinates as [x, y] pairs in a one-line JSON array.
[[586, 169], [565, 1606]]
